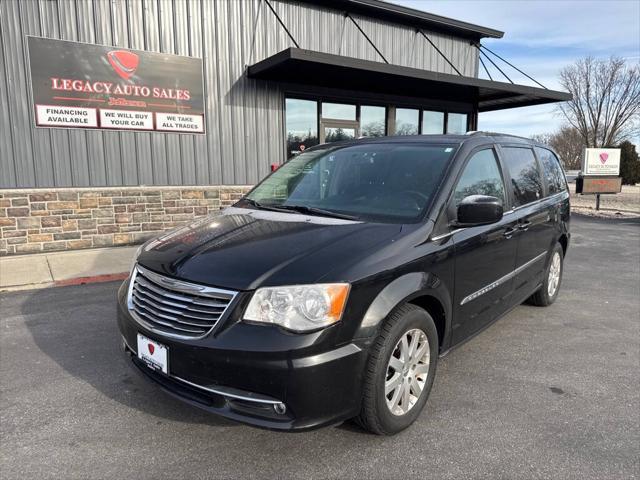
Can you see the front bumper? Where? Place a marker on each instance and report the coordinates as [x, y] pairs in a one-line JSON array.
[[258, 375]]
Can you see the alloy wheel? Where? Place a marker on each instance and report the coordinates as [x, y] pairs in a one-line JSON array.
[[554, 274], [407, 371]]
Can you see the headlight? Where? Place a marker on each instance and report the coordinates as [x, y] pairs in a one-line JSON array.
[[135, 258], [299, 307]]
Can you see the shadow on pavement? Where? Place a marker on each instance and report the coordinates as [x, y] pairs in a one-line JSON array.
[[76, 327]]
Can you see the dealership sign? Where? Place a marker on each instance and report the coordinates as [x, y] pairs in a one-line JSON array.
[[601, 161], [601, 185], [80, 85]]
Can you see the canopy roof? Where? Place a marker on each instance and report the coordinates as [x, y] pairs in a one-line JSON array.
[[295, 65]]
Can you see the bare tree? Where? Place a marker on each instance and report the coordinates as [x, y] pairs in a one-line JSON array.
[[606, 99], [568, 143], [542, 138]]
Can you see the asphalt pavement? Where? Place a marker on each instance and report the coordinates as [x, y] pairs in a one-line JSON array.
[[543, 393]]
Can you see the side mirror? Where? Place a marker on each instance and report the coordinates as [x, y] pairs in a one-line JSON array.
[[479, 210]]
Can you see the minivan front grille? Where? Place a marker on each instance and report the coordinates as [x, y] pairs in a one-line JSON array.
[[173, 307]]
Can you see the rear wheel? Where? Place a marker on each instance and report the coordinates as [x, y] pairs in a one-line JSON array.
[[548, 292], [400, 371]]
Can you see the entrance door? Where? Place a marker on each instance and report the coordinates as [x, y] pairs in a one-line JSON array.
[[338, 130]]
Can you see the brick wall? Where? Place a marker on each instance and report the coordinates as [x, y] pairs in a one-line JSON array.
[[42, 220]]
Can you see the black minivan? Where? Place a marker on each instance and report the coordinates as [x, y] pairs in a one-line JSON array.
[[330, 290]]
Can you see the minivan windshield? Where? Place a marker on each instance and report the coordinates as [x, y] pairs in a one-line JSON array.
[[372, 182]]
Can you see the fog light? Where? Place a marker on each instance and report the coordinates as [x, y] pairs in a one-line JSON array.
[[280, 408]]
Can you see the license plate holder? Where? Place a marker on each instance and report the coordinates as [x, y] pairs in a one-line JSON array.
[[154, 354]]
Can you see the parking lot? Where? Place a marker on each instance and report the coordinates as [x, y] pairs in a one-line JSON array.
[[543, 393]]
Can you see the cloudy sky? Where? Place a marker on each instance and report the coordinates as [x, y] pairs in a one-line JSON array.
[[540, 38]]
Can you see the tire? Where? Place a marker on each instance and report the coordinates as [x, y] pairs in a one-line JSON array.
[[376, 415], [548, 293]]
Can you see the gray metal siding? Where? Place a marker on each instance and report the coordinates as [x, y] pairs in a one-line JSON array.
[[244, 118]]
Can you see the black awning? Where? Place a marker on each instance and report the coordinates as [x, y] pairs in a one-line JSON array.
[[308, 67]]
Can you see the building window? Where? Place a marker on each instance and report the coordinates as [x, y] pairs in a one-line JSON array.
[[301, 124], [407, 121], [432, 122], [457, 123], [338, 111], [309, 122], [372, 121]]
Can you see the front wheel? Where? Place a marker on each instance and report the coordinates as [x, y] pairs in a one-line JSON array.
[[548, 292], [400, 371]]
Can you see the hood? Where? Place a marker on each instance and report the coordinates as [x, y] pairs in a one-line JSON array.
[[242, 249]]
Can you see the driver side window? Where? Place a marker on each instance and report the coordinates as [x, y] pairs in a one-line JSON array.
[[481, 176]]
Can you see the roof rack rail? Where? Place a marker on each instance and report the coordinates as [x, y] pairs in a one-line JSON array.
[[495, 134]]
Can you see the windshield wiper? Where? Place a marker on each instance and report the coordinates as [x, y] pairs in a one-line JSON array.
[[262, 206], [299, 208], [318, 211]]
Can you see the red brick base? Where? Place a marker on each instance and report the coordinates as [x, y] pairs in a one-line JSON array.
[[42, 220]]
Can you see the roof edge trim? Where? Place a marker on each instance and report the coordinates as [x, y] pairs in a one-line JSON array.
[[409, 16]]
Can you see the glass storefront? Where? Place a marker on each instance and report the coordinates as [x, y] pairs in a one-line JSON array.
[[309, 122]]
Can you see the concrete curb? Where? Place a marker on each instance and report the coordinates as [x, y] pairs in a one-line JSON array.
[[112, 277], [58, 269], [68, 282]]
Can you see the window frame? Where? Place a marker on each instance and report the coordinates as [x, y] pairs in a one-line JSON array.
[[395, 119], [446, 121], [450, 210], [319, 99], [284, 120], [389, 105], [445, 115], [332, 119], [359, 106], [565, 185], [508, 178]]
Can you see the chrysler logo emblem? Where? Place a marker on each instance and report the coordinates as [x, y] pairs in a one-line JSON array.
[[181, 285], [123, 62]]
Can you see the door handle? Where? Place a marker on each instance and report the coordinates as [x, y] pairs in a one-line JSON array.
[[524, 226], [508, 233]]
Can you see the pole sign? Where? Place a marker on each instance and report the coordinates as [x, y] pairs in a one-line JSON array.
[[81, 85], [601, 161]]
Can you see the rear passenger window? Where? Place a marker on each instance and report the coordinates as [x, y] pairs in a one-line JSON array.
[[525, 175], [552, 170], [481, 176]]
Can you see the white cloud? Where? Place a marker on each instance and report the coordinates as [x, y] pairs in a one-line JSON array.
[[542, 37], [524, 121], [604, 26]]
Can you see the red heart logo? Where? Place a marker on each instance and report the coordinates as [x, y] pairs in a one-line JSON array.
[[603, 157], [123, 62], [151, 348]]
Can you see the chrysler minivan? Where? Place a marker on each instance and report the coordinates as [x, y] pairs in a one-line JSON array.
[[332, 288]]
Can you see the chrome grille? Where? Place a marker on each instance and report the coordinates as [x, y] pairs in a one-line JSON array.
[[173, 307]]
